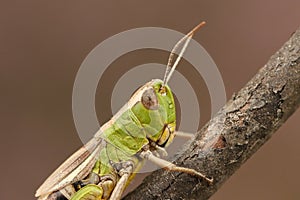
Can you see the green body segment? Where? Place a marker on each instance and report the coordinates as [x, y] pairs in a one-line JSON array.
[[127, 135]]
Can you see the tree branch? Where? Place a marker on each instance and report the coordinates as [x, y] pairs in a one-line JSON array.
[[236, 132]]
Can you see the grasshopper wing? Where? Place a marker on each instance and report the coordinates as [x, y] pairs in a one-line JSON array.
[[75, 168]]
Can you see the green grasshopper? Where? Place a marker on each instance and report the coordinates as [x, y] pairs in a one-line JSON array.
[[141, 130]]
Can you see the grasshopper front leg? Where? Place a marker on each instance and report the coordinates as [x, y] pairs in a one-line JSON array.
[[124, 173], [184, 135], [170, 166]]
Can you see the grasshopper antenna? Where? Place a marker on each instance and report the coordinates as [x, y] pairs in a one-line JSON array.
[[187, 38]]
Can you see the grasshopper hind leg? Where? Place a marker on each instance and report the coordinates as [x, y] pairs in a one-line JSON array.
[[54, 196], [89, 192], [98, 190]]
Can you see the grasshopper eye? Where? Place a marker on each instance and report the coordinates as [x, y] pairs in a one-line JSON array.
[[149, 99]]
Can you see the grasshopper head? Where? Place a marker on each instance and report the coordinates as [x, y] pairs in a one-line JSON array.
[[153, 105], [167, 104]]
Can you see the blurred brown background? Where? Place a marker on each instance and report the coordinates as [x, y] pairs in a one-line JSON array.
[[43, 44]]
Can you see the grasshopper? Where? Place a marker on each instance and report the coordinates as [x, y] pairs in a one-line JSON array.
[[141, 130]]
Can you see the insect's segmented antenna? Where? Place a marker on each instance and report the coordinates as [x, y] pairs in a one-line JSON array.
[[187, 38]]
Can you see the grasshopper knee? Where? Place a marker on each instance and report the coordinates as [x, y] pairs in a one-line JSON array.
[[89, 192], [107, 187]]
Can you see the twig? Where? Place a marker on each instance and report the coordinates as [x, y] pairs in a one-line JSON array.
[[236, 132]]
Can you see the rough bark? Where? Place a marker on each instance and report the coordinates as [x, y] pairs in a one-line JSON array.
[[236, 132]]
